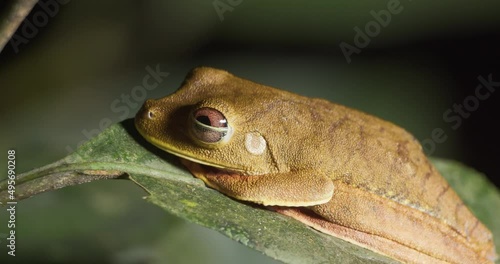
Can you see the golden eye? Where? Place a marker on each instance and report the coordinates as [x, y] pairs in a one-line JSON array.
[[209, 125]]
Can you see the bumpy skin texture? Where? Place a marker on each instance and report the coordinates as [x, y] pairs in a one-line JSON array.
[[336, 169]]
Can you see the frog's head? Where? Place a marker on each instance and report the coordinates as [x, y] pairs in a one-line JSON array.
[[210, 121], [222, 126]]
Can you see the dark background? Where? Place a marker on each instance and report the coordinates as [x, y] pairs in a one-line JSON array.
[[88, 53]]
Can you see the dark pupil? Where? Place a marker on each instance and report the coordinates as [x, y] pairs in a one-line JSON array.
[[204, 120]]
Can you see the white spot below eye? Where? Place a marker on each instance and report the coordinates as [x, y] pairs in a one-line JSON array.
[[255, 143]]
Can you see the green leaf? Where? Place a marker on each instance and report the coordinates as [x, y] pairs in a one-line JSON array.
[[120, 151]]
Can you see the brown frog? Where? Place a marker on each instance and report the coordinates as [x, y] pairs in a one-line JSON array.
[[336, 169]]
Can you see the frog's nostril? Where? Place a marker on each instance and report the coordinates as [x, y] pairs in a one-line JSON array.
[[151, 114]]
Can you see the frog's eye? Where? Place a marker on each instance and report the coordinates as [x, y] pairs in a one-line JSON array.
[[209, 125]]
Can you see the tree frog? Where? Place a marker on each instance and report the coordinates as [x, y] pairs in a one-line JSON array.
[[338, 170]]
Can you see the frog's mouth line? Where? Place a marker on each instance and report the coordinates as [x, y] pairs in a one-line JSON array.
[[185, 156]]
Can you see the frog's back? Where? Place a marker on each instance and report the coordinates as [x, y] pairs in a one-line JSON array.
[[385, 161]]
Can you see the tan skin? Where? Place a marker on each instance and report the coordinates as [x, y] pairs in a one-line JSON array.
[[338, 170]]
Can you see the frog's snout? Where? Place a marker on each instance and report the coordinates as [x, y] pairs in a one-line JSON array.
[[147, 117], [147, 111]]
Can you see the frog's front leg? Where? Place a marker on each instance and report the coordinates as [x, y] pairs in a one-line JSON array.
[[303, 188]]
